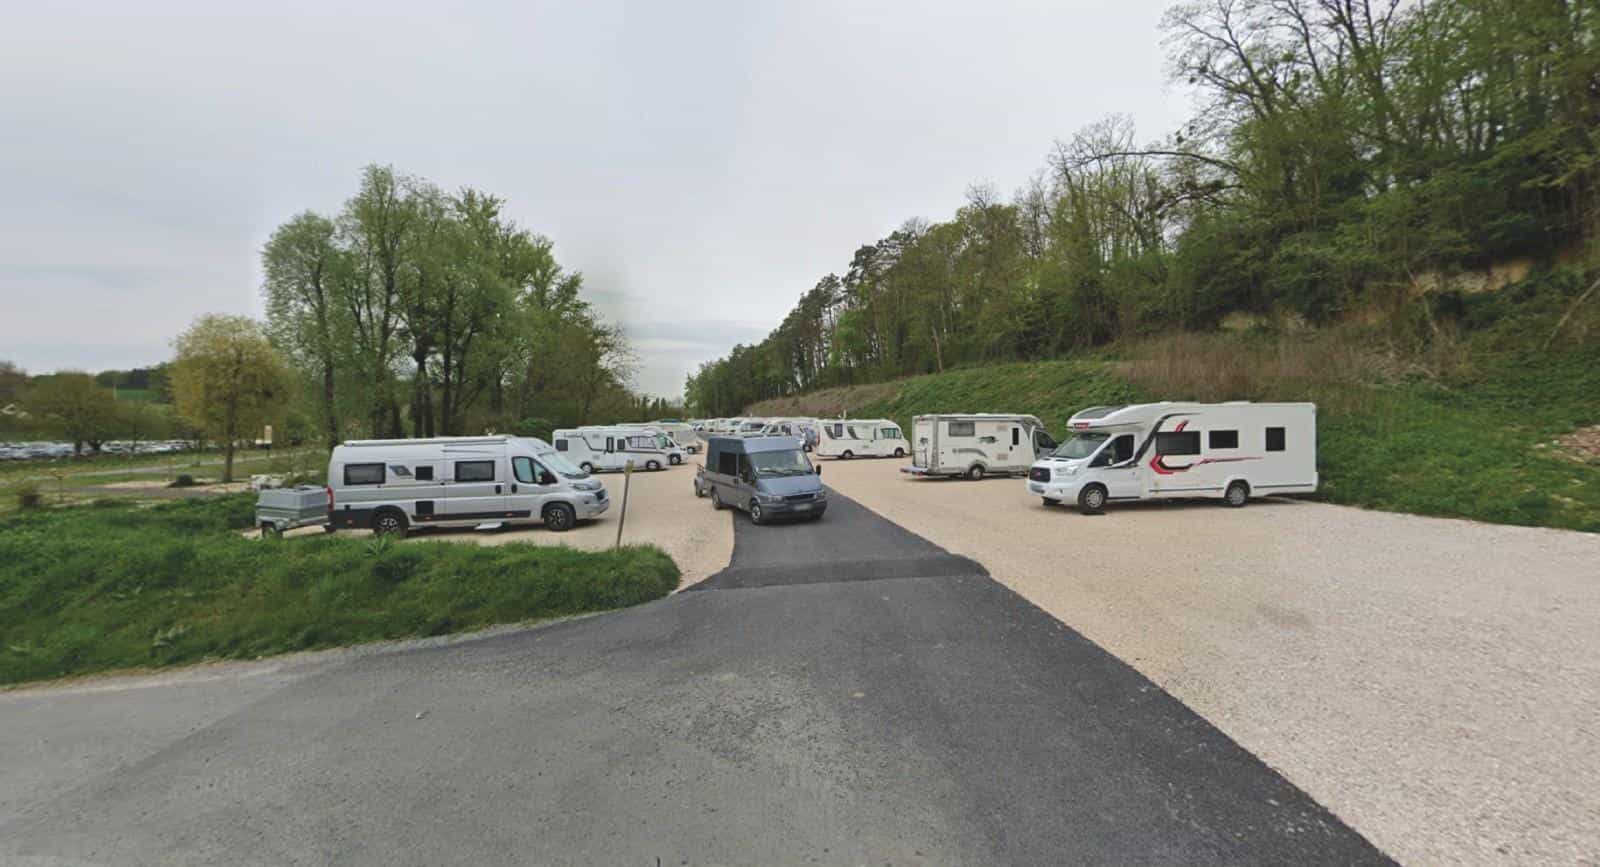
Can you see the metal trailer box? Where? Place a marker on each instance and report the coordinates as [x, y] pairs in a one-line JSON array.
[[280, 509]]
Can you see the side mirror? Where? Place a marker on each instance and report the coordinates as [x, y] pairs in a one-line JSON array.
[[818, 469]]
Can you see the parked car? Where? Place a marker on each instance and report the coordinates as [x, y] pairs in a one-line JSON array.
[[768, 477]]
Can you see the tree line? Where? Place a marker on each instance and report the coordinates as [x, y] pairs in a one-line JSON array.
[[418, 312], [1339, 150]]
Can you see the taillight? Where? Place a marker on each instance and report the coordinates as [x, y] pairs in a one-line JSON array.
[[329, 489]]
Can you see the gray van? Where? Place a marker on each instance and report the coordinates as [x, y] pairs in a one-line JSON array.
[[769, 477]]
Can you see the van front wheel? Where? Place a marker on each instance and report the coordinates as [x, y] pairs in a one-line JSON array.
[[1237, 494], [652, 466], [1092, 500], [757, 516], [559, 517]]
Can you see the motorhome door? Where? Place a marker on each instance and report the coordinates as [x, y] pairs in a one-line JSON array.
[[476, 487]]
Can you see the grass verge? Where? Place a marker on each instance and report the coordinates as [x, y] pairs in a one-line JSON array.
[[111, 585]]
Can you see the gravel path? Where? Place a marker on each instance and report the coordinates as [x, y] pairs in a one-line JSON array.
[[1436, 683]]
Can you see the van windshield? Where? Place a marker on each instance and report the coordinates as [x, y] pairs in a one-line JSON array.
[[784, 463], [1080, 446], [556, 461]]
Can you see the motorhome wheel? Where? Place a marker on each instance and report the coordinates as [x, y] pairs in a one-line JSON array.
[[559, 517], [389, 522], [1092, 499], [975, 472], [848, 454], [1237, 494], [675, 460], [586, 467], [899, 453]]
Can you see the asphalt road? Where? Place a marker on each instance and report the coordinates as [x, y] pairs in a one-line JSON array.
[[844, 693]]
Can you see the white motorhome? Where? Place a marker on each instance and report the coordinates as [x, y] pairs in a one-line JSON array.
[[1229, 451], [600, 449], [750, 427], [860, 438], [802, 429], [975, 445], [676, 453], [390, 486]]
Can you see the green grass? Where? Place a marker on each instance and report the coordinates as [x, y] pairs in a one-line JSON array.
[[114, 586]]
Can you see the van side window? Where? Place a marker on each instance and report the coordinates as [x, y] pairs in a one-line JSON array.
[[561, 445], [363, 474], [1016, 436], [1044, 441], [1275, 439], [400, 470], [474, 471], [836, 431], [1122, 448], [962, 428], [1223, 439], [425, 474], [1178, 443], [728, 464], [523, 469]]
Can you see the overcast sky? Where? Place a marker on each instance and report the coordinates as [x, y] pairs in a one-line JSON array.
[[702, 164]]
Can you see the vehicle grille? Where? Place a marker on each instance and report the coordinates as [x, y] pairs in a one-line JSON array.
[[800, 498], [1039, 474]]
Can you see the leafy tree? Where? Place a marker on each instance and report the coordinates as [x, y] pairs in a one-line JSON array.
[[228, 380], [73, 405]]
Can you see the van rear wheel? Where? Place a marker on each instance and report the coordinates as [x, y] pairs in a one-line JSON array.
[[652, 466], [975, 472], [1092, 500], [848, 454], [1237, 494], [899, 453], [587, 467], [389, 522], [559, 517]]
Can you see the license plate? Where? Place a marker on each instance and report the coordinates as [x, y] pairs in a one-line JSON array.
[[803, 507]]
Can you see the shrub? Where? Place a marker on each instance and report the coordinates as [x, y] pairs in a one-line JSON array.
[[184, 480], [28, 496]]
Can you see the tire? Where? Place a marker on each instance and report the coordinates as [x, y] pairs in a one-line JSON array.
[[1237, 495], [899, 453], [757, 515], [269, 530], [975, 472], [675, 460], [716, 500], [848, 454], [330, 528], [587, 467], [1092, 500], [389, 522], [1051, 501], [559, 517], [652, 466], [698, 491]]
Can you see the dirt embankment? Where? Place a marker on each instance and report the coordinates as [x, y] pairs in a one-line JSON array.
[[827, 403]]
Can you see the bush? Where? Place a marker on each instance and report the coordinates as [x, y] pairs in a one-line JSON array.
[[28, 496], [86, 590], [184, 480]]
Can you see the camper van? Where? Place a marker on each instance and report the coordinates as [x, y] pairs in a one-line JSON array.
[[676, 454], [390, 486], [802, 429], [769, 477], [1229, 451], [610, 448], [860, 438], [975, 445]]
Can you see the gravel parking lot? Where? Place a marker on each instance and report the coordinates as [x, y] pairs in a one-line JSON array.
[[1436, 683]]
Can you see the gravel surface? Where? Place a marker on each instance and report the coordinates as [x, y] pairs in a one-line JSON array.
[[1436, 683]]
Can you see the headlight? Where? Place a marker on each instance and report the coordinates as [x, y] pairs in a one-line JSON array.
[[770, 498], [1062, 472]]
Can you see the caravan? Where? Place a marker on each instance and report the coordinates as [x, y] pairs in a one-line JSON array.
[[860, 438], [676, 454], [1230, 451], [389, 486], [610, 448], [976, 444]]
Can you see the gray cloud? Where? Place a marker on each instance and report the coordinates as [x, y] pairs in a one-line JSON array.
[[702, 164]]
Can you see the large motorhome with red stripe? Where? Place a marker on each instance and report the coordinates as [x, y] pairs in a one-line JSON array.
[[1228, 451]]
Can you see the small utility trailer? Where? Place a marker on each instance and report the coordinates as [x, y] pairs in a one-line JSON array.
[[281, 509]]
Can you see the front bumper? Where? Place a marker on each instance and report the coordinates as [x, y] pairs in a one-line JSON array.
[[799, 509], [592, 505], [1064, 490]]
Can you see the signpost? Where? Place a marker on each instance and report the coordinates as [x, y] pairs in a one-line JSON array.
[[622, 515]]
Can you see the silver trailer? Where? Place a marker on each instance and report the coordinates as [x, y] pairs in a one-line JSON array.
[[280, 509]]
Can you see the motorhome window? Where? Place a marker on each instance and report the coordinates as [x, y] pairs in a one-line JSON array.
[[1080, 446], [986, 440], [363, 474], [1275, 439], [856, 434], [1223, 439], [889, 433], [1016, 436], [962, 428], [1122, 448], [561, 445], [1043, 441], [611, 444], [523, 468], [640, 443], [400, 470], [474, 471], [1178, 443], [835, 430], [783, 463], [728, 464], [425, 474]]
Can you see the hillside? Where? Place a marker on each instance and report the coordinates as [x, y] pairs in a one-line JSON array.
[[1493, 427]]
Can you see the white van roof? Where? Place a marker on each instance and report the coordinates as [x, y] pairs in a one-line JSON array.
[[432, 441]]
